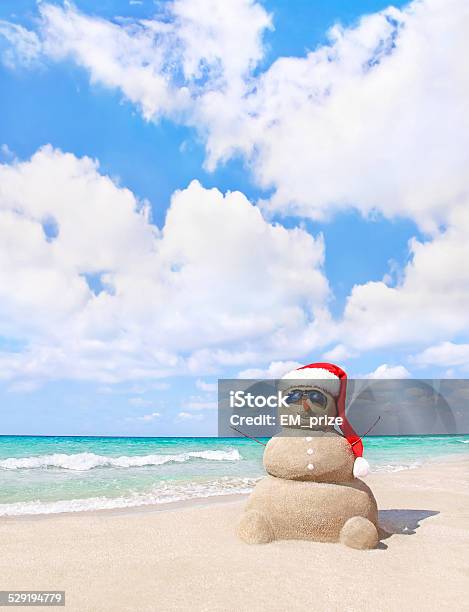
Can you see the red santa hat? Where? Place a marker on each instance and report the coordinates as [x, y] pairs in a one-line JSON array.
[[333, 380]]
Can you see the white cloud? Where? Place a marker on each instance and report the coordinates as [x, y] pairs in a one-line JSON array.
[[275, 370], [121, 299], [205, 386], [148, 418], [378, 114], [140, 401], [24, 47], [136, 388], [6, 152], [339, 353], [444, 354], [376, 120], [165, 64], [201, 403], [131, 57], [150, 386], [189, 416], [428, 305], [387, 372]]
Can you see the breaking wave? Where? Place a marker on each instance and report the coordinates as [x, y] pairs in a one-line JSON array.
[[162, 494], [391, 467], [82, 462]]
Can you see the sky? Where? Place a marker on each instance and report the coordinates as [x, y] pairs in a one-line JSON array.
[[199, 189]]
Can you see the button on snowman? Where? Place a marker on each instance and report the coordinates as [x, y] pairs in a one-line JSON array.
[[312, 490]]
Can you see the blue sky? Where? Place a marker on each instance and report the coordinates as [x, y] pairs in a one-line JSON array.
[[64, 101]]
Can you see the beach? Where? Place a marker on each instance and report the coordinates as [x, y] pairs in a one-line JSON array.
[[187, 556]]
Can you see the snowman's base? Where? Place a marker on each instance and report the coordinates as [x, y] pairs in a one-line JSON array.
[[255, 528], [281, 509]]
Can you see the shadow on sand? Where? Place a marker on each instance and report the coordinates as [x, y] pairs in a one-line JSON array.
[[403, 522]]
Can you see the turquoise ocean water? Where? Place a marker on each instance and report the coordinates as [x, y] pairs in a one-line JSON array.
[[67, 474]]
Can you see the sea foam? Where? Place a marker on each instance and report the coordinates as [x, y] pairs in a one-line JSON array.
[[82, 462], [162, 494]]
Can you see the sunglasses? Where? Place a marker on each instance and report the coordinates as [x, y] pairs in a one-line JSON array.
[[314, 396]]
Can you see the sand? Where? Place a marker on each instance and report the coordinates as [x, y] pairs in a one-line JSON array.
[[188, 558]]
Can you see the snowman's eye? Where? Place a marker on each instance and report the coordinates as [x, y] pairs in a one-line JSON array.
[[294, 396], [316, 397]]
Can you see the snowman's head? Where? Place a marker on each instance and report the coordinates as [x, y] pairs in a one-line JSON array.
[[304, 401]]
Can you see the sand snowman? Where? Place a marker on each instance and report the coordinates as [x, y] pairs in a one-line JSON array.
[[312, 490]]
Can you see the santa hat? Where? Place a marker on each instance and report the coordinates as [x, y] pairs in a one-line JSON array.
[[333, 380]]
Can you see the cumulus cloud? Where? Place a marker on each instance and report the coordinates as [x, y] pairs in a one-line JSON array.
[[339, 353], [387, 372], [376, 119], [430, 302], [164, 65], [91, 289], [445, 354], [6, 152], [206, 386], [276, 369], [24, 46], [148, 418], [189, 416], [201, 403]]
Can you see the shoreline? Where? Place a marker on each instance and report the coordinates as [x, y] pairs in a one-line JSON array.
[[372, 479], [195, 502]]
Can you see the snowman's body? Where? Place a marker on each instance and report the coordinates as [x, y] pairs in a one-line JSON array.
[[317, 456], [310, 493]]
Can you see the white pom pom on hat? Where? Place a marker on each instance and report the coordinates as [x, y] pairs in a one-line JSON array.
[[361, 467]]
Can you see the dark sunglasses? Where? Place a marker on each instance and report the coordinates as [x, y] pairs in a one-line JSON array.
[[315, 397]]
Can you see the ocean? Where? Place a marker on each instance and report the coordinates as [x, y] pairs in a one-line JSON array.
[[47, 475]]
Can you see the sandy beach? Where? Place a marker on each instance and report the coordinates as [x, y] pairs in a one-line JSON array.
[[187, 557]]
